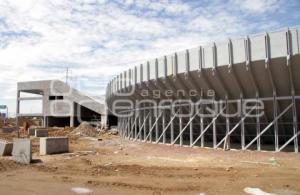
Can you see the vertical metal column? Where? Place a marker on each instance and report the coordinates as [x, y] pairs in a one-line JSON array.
[[227, 140], [145, 124], [201, 131], [129, 125], [275, 123], [214, 134], [156, 125], [121, 126], [133, 124], [172, 126], [258, 126], [140, 124], [118, 126], [242, 125], [124, 127], [180, 128], [150, 123], [164, 124], [136, 123], [191, 133], [295, 124]]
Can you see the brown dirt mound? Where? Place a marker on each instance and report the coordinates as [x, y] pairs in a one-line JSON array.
[[86, 129]]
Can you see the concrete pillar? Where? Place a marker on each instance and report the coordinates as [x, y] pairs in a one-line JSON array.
[[17, 108], [72, 116], [44, 121], [71, 121]]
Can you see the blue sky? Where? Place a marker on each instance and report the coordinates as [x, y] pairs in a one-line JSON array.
[[97, 39]]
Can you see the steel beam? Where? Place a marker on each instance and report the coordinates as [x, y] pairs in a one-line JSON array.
[[166, 127], [154, 125], [270, 124], [141, 127], [235, 127], [207, 127], [182, 130]]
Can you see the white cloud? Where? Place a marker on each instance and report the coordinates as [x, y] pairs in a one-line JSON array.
[[98, 38], [258, 5]]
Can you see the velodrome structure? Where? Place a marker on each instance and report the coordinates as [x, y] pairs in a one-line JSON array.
[[258, 73]]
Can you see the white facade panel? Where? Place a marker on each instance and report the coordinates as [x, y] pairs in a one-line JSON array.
[[278, 44], [295, 36], [181, 62], [208, 57], [298, 40], [161, 67], [152, 69], [139, 74], [112, 86], [125, 79], [134, 76], [257, 48], [238, 51], [170, 64], [194, 59], [129, 73], [222, 54], [118, 83], [121, 80], [145, 69]]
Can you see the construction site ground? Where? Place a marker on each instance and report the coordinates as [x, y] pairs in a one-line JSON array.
[[111, 165]]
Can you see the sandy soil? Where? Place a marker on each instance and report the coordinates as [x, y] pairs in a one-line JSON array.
[[116, 166]]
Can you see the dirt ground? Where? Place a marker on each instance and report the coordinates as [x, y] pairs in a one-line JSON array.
[[116, 166]]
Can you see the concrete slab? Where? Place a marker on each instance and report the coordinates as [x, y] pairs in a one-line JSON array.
[[41, 133], [9, 129], [5, 148], [22, 151], [54, 145], [31, 130]]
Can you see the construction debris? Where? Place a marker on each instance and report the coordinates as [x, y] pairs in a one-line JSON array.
[[114, 131], [85, 129]]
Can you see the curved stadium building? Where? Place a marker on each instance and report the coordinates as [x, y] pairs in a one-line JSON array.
[[241, 93]]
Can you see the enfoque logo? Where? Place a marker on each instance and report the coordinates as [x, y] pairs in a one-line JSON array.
[[206, 108]]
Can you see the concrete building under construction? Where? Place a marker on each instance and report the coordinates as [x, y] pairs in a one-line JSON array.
[[252, 81], [62, 105]]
